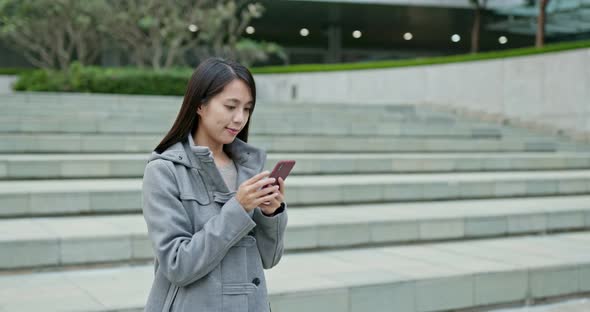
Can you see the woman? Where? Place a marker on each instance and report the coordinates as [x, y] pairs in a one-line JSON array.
[[212, 226]]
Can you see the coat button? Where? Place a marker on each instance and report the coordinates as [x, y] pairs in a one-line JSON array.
[[256, 281], [179, 157]]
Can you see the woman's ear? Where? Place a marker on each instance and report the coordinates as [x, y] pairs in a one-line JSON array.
[[200, 107]]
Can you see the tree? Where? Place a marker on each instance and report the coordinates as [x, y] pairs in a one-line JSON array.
[[478, 6], [229, 19], [155, 33], [540, 37], [162, 33], [51, 33]]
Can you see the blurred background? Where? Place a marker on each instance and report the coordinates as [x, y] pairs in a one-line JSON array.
[[442, 148], [115, 33]]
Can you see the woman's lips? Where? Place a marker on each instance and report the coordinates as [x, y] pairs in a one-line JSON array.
[[234, 132]]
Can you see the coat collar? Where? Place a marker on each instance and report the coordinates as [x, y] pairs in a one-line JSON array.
[[183, 153]]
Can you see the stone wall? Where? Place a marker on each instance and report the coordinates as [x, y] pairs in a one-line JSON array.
[[549, 91]]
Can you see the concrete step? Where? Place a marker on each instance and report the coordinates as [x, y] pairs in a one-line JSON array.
[[115, 103], [112, 106], [54, 166], [572, 305], [32, 119], [83, 113], [382, 112], [66, 241], [91, 196], [431, 277], [52, 104], [103, 143], [286, 122], [78, 105], [262, 126]]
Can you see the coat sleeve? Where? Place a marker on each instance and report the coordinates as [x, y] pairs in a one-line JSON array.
[[184, 256], [270, 233]]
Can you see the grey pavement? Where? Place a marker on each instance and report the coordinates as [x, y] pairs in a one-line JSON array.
[[428, 277]]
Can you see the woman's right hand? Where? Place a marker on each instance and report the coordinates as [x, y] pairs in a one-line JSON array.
[[250, 195]]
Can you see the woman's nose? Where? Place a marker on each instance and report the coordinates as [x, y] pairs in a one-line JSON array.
[[239, 117]]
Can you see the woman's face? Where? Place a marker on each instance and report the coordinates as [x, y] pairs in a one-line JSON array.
[[230, 109]]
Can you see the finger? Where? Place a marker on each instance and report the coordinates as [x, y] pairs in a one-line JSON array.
[[262, 183], [272, 203], [267, 198], [282, 185], [266, 190], [275, 202], [280, 198], [257, 177], [259, 185]]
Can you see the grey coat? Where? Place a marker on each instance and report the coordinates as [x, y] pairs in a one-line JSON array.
[[209, 252]]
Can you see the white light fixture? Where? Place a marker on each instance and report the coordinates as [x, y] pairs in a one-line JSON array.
[[503, 40], [357, 34], [193, 27], [408, 36], [250, 30], [455, 38], [304, 32]]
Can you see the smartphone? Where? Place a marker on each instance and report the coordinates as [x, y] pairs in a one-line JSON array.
[[281, 169]]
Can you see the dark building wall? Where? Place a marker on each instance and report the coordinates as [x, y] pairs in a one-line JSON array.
[[382, 28], [11, 58]]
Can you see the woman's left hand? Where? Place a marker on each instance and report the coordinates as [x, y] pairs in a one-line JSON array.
[[271, 206]]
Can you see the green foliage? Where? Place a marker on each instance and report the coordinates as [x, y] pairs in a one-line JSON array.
[[14, 70], [249, 51], [110, 80]]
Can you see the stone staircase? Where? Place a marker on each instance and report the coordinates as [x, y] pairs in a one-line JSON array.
[[391, 207]]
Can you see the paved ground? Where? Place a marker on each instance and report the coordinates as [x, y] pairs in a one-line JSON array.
[[576, 305]]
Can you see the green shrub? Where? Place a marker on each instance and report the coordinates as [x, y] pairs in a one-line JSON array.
[[14, 70], [106, 80]]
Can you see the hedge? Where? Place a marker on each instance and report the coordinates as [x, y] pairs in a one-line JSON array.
[[13, 71], [106, 80]]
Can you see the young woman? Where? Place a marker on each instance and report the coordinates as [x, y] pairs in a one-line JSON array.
[[212, 226]]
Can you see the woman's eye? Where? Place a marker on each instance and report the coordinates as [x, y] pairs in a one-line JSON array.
[[230, 107]]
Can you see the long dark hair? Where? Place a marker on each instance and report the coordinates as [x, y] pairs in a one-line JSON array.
[[208, 80]]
